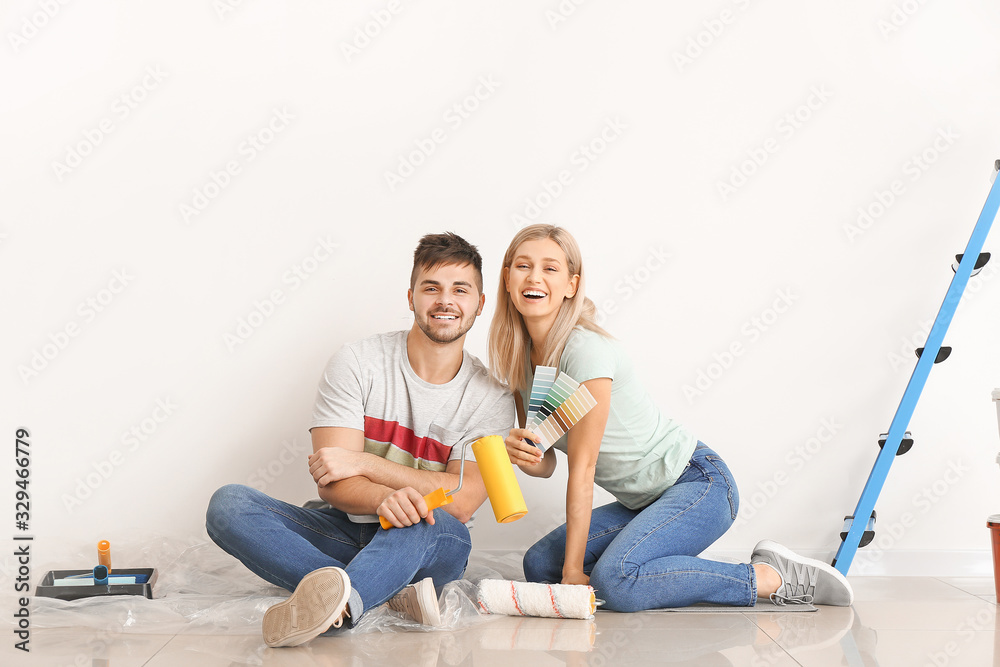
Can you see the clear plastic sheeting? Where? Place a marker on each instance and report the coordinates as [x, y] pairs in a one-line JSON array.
[[200, 589]]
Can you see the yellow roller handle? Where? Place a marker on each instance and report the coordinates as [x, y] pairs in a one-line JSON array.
[[434, 499]]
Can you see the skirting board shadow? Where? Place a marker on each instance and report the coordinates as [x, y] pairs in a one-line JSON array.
[[762, 607]]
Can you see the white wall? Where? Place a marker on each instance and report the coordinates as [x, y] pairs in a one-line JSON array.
[[841, 99]]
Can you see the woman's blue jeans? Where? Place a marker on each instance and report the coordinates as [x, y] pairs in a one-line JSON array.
[[647, 559], [282, 543]]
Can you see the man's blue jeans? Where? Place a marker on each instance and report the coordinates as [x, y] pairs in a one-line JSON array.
[[282, 543], [646, 559]]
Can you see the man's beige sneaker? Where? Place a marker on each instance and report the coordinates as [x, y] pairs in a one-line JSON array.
[[419, 602], [317, 604]]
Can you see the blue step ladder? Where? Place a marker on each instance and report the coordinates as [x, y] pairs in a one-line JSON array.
[[857, 533]]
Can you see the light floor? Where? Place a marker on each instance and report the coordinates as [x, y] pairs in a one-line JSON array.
[[896, 621]]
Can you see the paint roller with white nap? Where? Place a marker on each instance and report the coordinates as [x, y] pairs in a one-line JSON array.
[[521, 598]]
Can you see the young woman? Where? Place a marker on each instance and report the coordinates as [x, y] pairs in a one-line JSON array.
[[674, 495]]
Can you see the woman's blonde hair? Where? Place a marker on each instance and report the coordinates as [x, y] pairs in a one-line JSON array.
[[509, 342]]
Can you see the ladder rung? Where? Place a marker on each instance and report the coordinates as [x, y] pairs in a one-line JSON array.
[[867, 536], [980, 262], [942, 354], [904, 444]]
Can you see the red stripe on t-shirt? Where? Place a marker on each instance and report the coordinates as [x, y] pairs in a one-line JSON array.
[[426, 448]]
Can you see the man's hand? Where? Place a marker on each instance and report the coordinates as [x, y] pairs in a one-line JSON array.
[[332, 464], [405, 507]]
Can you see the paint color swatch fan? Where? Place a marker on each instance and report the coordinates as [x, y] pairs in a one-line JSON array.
[[555, 405]]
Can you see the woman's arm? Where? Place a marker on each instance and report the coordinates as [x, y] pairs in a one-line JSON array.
[[583, 446]]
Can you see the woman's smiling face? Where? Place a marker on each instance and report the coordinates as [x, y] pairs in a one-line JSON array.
[[538, 279]]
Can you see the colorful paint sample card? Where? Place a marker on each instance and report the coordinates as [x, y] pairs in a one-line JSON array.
[[559, 393], [565, 415], [544, 377]]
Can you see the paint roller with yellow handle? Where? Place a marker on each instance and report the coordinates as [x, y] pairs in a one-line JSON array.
[[498, 477]]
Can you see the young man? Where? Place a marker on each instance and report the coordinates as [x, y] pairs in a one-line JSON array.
[[391, 416]]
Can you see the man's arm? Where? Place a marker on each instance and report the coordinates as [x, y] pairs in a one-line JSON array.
[[338, 464], [355, 495]]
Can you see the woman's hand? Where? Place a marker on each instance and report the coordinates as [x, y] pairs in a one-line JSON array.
[[575, 577], [522, 453]]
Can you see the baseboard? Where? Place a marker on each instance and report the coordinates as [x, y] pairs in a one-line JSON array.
[[895, 563], [900, 563]]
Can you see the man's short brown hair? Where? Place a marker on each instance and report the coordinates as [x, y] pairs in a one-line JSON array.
[[448, 248]]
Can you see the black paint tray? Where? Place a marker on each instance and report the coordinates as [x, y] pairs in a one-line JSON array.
[[46, 588]]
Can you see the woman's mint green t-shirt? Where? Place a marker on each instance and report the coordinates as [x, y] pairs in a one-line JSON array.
[[643, 451]]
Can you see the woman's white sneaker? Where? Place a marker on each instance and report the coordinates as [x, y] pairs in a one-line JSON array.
[[803, 580]]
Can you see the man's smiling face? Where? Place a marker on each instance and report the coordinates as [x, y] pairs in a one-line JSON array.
[[445, 301]]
